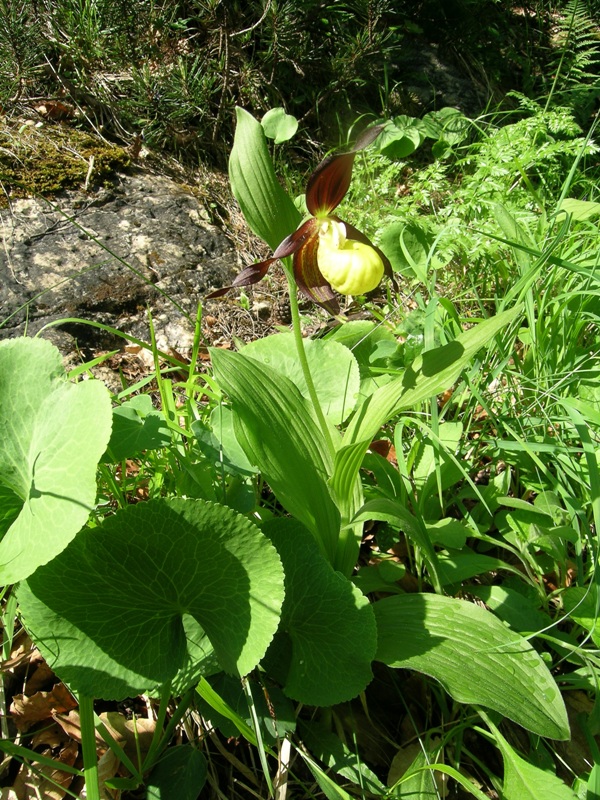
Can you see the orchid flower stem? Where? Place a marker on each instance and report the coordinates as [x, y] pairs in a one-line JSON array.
[[297, 329]]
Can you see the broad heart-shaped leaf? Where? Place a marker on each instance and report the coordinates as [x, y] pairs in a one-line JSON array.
[[448, 125], [327, 638], [279, 434], [475, 657], [137, 426], [332, 366], [107, 613], [401, 137], [268, 210], [429, 375], [53, 434], [179, 774]]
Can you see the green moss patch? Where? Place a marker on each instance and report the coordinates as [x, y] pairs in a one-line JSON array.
[[46, 160]]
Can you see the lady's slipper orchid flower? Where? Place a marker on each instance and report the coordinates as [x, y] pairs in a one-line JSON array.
[[329, 255]]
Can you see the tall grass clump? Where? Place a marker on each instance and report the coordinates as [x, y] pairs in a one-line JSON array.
[[173, 72]]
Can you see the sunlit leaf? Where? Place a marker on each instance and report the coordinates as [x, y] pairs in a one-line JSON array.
[[333, 369], [278, 125], [108, 613], [53, 434], [267, 208], [278, 432], [430, 374], [475, 657], [580, 209], [524, 781], [137, 426]]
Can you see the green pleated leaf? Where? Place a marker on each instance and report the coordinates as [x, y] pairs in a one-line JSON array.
[[524, 781], [430, 374], [268, 210], [327, 638], [109, 612], [333, 369], [276, 428], [475, 657], [53, 434]]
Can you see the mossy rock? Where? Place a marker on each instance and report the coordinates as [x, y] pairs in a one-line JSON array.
[[43, 161]]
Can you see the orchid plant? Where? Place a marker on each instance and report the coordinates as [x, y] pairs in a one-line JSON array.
[[164, 595], [329, 255]]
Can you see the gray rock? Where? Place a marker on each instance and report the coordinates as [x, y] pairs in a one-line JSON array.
[[107, 257]]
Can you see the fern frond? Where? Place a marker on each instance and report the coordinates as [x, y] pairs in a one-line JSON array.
[[576, 63]]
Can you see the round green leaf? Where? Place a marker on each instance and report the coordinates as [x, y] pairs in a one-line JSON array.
[[475, 657], [53, 434], [108, 613], [333, 368], [400, 137], [278, 125], [328, 622]]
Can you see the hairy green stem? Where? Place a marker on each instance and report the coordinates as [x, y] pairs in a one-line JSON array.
[[296, 327]]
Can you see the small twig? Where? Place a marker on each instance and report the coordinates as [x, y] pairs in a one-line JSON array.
[[89, 174], [280, 781], [256, 24]]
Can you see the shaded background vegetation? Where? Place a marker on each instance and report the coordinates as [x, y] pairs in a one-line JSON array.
[[173, 71]]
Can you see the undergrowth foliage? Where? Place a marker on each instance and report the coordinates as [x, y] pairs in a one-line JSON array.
[[362, 563], [173, 72], [372, 555]]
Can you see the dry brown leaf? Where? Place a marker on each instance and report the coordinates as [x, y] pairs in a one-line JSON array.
[[54, 109], [50, 736], [49, 783], [108, 767], [125, 731], [39, 679], [26, 711], [23, 652], [71, 725]]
